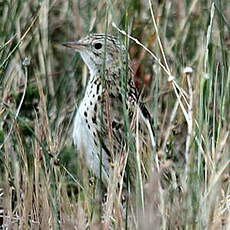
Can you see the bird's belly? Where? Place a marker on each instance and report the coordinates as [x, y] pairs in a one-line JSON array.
[[82, 135], [84, 140]]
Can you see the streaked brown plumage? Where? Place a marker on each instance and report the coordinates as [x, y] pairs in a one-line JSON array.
[[110, 97]]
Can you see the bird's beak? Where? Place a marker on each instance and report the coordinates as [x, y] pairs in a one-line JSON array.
[[77, 45]]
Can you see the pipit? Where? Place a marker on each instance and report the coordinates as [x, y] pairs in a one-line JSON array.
[[110, 105]]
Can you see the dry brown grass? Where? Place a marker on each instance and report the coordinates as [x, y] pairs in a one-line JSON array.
[[45, 183]]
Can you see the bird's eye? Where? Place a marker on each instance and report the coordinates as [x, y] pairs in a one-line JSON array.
[[97, 46]]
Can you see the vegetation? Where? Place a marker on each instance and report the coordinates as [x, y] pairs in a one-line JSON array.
[[46, 184]]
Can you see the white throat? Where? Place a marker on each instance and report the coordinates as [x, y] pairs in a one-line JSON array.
[[91, 65]]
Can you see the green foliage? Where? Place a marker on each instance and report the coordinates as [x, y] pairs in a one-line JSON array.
[[46, 182]]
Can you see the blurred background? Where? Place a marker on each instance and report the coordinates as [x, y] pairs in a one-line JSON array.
[[42, 82]]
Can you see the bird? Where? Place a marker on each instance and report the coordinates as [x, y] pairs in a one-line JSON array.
[[110, 104]]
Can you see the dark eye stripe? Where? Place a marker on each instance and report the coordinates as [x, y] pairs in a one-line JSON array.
[[96, 54], [110, 38]]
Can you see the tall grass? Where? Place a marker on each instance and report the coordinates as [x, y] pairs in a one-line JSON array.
[[45, 183]]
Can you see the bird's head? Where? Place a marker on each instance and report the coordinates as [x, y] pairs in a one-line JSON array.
[[99, 51]]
